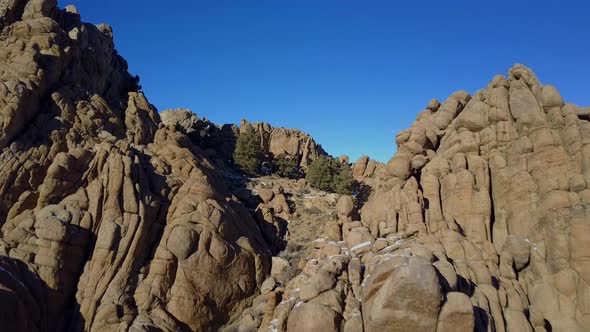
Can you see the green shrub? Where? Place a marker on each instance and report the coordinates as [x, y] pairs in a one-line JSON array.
[[329, 174], [248, 154], [284, 166], [343, 180]]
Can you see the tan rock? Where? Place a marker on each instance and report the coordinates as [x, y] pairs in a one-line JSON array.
[[400, 167], [333, 231], [516, 321], [401, 298], [268, 285], [448, 274], [279, 266], [519, 249], [345, 208], [456, 314], [433, 105], [266, 195], [551, 97], [313, 318], [317, 284], [358, 236], [113, 217]]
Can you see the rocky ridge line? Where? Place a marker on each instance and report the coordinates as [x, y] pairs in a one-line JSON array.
[[219, 141]]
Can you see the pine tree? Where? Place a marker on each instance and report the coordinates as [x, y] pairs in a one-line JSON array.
[[284, 166], [330, 174], [248, 154]]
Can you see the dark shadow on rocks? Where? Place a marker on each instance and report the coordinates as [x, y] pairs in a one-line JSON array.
[[444, 284], [283, 228], [482, 320], [26, 300], [495, 282], [218, 142], [290, 202], [465, 286], [360, 193], [274, 231], [548, 326]]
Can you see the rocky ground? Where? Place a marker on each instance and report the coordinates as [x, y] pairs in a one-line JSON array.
[[305, 212], [312, 211], [113, 218]]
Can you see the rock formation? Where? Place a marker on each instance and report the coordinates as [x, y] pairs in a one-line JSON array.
[[290, 142], [219, 141], [114, 218], [366, 170], [109, 220], [481, 222]]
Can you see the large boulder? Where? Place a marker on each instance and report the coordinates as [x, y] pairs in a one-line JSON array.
[[456, 314], [404, 297], [310, 317], [345, 208]]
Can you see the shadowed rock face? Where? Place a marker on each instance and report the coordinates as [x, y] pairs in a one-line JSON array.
[[110, 221]]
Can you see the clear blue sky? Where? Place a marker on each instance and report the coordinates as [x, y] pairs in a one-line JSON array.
[[351, 73]]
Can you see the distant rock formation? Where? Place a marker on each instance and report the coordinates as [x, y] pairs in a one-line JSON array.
[[290, 142], [219, 141]]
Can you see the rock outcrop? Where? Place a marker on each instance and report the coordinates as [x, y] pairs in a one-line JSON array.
[[114, 218], [480, 221], [219, 142], [110, 221], [278, 141], [368, 171], [507, 170], [366, 168]]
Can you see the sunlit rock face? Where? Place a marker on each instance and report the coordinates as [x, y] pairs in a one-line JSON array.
[[480, 221]]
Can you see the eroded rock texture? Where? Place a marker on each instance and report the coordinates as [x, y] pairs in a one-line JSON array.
[[289, 142], [219, 142], [114, 220], [481, 221], [110, 221]]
